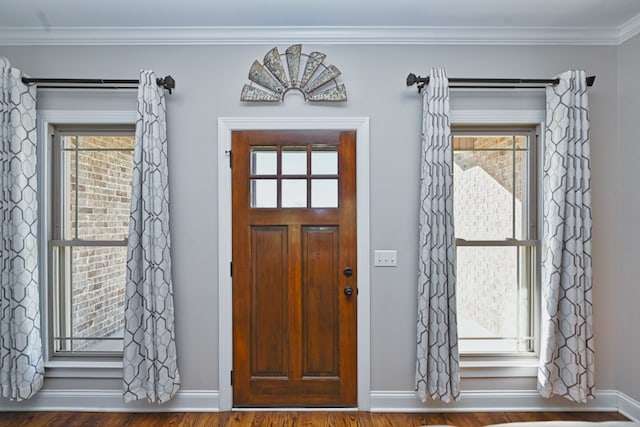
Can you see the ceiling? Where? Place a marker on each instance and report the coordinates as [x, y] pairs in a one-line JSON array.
[[590, 21]]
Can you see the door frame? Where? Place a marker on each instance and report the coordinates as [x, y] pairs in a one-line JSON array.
[[226, 125]]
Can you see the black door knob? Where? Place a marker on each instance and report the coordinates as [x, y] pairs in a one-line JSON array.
[[348, 272], [348, 291]]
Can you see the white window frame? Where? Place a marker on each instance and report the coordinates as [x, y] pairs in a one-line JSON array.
[[80, 366], [494, 366]]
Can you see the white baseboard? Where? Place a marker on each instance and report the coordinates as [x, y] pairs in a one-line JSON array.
[[381, 401], [111, 401], [629, 407], [490, 401]]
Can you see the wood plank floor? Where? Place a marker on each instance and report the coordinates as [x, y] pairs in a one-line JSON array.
[[287, 419]]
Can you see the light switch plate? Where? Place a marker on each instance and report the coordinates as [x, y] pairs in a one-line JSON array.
[[385, 258]]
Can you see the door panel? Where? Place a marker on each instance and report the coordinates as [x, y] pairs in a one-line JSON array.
[[294, 232], [320, 301], [269, 355]]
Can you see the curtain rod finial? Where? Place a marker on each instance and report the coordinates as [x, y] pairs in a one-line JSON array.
[[411, 79]]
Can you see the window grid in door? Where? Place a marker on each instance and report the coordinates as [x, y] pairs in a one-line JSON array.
[[294, 176]]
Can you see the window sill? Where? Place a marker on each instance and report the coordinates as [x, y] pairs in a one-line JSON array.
[[513, 367], [83, 369]]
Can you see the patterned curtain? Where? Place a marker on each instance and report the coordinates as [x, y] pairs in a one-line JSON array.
[[566, 357], [21, 363], [437, 367], [150, 362]]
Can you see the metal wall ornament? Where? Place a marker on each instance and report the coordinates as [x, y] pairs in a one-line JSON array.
[[270, 81]]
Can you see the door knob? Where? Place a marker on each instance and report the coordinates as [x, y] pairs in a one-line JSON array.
[[348, 272], [348, 291]]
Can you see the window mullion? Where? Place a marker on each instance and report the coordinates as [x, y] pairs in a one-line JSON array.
[[506, 242], [77, 187], [513, 186], [69, 302], [80, 242]]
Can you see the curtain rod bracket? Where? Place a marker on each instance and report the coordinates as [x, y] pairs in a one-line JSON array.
[[421, 81], [167, 82]]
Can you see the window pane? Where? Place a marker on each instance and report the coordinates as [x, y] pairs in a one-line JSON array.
[[89, 301], [324, 161], [521, 195], [493, 299], [103, 194], [484, 200], [264, 193], [68, 193], [69, 141], [294, 161], [95, 187], [105, 141], [483, 142], [324, 193], [522, 142], [294, 193], [264, 161], [113, 344], [99, 276]]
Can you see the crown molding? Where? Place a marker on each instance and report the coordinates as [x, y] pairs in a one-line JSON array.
[[629, 29], [84, 36]]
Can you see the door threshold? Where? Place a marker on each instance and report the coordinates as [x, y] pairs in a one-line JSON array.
[[294, 409]]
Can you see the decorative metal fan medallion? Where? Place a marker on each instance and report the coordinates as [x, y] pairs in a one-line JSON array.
[[270, 81]]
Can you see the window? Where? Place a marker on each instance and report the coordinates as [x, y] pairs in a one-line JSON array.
[[495, 211], [91, 174]]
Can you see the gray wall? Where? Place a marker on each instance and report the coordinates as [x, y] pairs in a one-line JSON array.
[[628, 296], [209, 79]]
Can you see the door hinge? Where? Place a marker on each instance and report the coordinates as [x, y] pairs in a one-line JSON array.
[[228, 152], [231, 269], [231, 376]]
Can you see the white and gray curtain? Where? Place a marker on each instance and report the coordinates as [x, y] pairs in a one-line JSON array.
[[567, 357], [150, 362], [437, 366], [21, 363]]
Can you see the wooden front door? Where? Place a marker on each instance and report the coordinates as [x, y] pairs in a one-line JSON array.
[[294, 268]]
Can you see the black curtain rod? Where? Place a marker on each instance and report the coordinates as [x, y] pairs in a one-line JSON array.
[[479, 83], [167, 83]]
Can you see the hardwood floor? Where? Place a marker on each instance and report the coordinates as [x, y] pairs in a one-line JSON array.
[[288, 419]]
